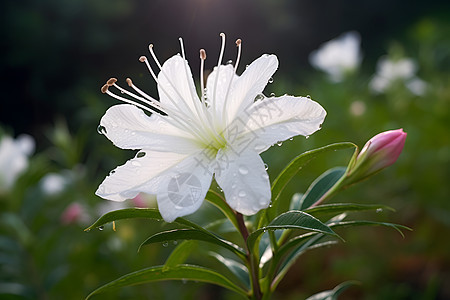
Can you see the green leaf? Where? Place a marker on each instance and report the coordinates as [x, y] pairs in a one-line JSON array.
[[397, 227], [320, 186], [131, 213], [180, 254], [295, 166], [334, 293], [291, 220], [338, 208], [193, 234], [216, 199], [237, 269], [161, 273]]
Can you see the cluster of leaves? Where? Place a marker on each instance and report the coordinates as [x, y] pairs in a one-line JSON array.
[[268, 244]]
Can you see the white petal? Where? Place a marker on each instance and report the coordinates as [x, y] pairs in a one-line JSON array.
[[216, 91], [277, 119], [244, 181], [251, 83], [183, 188], [176, 87], [139, 174], [128, 127]]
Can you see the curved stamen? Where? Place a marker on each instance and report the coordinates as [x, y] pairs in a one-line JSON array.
[[238, 45]]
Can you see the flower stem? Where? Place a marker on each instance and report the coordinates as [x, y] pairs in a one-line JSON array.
[[252, 261]]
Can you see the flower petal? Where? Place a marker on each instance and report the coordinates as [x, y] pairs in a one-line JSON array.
[[216, 91], [277, 119], [244, 180], [182, 189], [251, 83], [176, 86], [128, 127], [138, 175]]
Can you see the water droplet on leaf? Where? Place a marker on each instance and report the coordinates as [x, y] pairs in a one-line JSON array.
[[101, 129], [279, 144], [165, 244], [270, 79], [101, 228]]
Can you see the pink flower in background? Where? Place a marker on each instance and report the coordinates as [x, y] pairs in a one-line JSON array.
[[75, 213]]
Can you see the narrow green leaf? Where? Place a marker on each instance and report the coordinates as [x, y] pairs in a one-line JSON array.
[[397, 227], [193, 234], [320, 186], [132, 213], [295, 166], [338, 208], [291, 220], [216, 199], [180, 254], [334, 293], [237, 269], [161, 273]]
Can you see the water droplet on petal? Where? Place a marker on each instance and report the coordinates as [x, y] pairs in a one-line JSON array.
[[101, 129], [136, 163], [233, 186], [140, 154], [280, 143], [272, 94], [242, 193], [243, 170], [308, 96], [259, 97], [270, 79], [307, 137], [262, 202], [230, 62], [266, 167]]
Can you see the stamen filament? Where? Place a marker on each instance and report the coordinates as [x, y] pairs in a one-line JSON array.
[[202, 67], [219, 63]]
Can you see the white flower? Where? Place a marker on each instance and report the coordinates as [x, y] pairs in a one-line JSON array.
[[339, 56], [188, 138], [390, 71], [14, 158]]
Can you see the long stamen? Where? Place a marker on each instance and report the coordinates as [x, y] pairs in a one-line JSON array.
[[105, 90], [238, 58], [202, 67], [219, 63]]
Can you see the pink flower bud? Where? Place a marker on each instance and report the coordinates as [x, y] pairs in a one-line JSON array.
[[378, 153]]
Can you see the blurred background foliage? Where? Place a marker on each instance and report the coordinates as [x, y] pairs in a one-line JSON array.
[[55, 56]]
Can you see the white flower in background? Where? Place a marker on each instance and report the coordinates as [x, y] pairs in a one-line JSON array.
[[188, 139], [339, 56], [390, 71], [53, 183], [14, 158]]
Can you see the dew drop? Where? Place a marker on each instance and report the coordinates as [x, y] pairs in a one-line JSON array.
[[101, 129], [243, 170], [122, 92], [259, 97], [272, 94], [279, 144], [291, 139], [307, 137], [175, 243], [308, 96], [101, 228], [112, 172], [266, 167], [230, 62], [262, 202], [270, 79], [379, 210], [140, 154], [133, 133], [136, 163], [165, 244], [242, 193]]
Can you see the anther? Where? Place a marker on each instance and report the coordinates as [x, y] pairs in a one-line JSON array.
[[142, 59], [202, 54], [111, 81], [104, 88], [238, 42], [129, 82]]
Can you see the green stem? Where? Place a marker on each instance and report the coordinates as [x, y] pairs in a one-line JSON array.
[[252, 260]]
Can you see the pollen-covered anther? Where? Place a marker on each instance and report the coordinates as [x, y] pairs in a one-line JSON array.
[[104, 88], [238, 42], [129, 82], [111, 81], [142, 58], [202, 54]]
